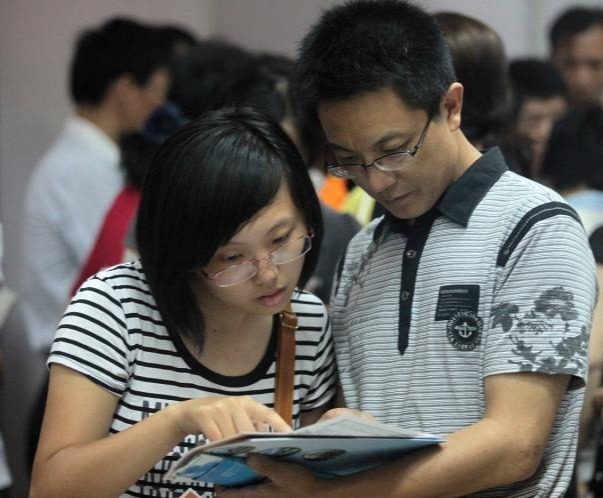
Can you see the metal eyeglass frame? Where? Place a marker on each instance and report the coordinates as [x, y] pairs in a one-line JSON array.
[[213, 276], [347, 170]]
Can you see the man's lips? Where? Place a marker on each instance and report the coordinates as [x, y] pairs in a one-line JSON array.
[[397, 198]]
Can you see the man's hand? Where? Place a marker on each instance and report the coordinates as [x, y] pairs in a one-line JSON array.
[[285, 479], [336, 412]]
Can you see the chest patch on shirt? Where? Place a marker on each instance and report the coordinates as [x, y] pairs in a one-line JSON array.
[[464, 330], [453, 298]]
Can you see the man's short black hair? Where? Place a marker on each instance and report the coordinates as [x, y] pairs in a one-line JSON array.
[[119, 47], [573, 21], [367, 45], [200, 76], [534, 79]]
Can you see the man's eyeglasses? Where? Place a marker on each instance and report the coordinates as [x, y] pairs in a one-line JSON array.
[[395, 161], [241, 272]]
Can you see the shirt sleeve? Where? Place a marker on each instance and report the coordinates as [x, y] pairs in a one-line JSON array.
[[92, 337], [321, 387], [543, 302]]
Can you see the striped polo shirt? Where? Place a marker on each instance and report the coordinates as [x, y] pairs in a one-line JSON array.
[[496, 278], [113, 333]]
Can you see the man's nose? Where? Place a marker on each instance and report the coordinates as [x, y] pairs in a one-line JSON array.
[[377, 181]]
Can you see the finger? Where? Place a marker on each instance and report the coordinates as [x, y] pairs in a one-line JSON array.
[[332, 413], [277, 472], [241, 422], [261, 426], [261, 413], [276, 422], [224, 420], [210, 429]]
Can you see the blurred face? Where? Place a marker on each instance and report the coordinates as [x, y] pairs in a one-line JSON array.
[[535, 122], [372, 124], [579, 59], [141, 101], [269, 291]]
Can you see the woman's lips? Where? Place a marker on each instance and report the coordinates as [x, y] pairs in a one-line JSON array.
[[273, 298]]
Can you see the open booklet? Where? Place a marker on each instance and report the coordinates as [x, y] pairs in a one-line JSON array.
[[336, 447]]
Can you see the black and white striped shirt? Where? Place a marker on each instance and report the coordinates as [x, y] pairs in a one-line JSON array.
[[113, 334], [498, 278]]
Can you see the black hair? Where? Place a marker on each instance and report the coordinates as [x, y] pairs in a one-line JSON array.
[[574, 155], [264, 84], [176, 37], [203, 185], [199, 76], [574, 21], [534, 79], [137, 148], [119, 47], [367, 45], [480, 64]]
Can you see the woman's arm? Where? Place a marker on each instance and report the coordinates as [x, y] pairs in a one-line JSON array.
[[76, 456]]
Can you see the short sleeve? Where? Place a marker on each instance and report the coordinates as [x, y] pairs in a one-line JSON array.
[[315, 369], [323, 383], [92, 337], [543, 302]]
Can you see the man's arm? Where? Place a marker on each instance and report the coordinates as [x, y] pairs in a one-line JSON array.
[[595, 364], [506, 446]]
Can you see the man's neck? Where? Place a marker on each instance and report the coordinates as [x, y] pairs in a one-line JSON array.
[[467, 155], [102, 119]]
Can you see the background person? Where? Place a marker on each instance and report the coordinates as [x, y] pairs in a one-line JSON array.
[[539, 101], [576, 39]]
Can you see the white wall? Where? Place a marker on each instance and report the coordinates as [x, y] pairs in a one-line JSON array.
[[35, 45]]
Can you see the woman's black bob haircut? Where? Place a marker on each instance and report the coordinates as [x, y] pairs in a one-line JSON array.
[[204, 184]]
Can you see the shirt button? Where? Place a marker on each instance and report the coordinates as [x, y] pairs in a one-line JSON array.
[[405, 295], [411, 253]]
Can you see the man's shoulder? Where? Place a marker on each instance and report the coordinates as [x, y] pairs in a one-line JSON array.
[[518, 195]]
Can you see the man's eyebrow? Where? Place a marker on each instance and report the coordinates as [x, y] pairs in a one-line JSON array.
[[394, 134]]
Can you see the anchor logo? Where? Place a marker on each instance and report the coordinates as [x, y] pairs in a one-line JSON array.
[[464, 330]]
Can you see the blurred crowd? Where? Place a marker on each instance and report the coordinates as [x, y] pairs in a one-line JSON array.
[[133, 84]]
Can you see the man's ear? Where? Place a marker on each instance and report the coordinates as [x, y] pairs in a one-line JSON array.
[[122, 87], [452, 104]]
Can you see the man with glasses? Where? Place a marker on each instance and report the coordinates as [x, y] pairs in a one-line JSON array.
[[465, 310]]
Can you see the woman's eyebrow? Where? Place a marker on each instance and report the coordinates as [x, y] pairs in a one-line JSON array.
[[285, 222]]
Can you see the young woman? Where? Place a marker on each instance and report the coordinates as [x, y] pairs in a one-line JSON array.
[[154, 356]]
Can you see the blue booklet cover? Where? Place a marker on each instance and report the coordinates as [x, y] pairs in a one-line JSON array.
[[340, 446]]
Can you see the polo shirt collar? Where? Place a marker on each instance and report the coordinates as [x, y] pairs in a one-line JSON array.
[[462, 197]]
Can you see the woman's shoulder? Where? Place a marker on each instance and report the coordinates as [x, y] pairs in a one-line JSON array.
[[123, 283], [310, 310]]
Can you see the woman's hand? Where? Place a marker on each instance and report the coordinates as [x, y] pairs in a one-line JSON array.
[[221, 417]]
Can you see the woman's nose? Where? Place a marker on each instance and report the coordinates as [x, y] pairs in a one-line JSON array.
[[267, 270]]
